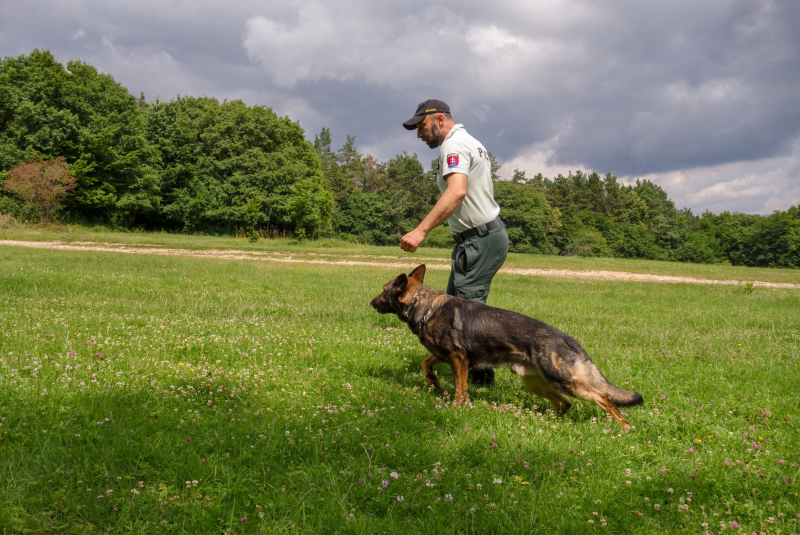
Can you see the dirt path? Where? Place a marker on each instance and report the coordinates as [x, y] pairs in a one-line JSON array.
[[319, 258]]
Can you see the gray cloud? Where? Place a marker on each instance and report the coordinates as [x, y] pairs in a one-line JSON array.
[[697, 96]]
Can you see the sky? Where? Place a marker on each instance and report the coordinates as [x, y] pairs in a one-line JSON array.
[[702, 98]]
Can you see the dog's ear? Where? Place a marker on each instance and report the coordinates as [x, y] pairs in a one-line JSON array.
[[418, 274], [400, 283]]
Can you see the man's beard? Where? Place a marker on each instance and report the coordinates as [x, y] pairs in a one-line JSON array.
[[436, 136]]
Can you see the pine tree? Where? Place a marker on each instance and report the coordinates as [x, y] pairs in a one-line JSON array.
[[495, 166], [322, 146]]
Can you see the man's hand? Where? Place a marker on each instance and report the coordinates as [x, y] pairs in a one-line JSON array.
[[411, 241], [444, 208]]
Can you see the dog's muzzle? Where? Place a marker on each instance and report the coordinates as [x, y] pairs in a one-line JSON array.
[[380, 305]]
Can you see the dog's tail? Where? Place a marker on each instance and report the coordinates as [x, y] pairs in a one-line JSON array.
[[620, 396]]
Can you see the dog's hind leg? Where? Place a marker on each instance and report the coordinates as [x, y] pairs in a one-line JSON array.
[[427, 370], [586, 391], [561, 403], [542, 388]]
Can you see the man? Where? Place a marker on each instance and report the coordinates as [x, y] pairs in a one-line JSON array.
[[464, 177]]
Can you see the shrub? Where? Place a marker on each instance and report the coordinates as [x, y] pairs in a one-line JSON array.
[[700, 248], [587, 242], [8, 222], [439, 238], [41, 185], [636, 241]]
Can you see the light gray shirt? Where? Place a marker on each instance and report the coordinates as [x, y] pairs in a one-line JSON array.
[[462, 153]]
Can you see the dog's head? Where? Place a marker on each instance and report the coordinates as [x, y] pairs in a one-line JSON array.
[[391, 299]]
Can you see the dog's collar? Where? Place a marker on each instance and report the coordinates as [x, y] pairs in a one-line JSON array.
[[431, 311], [413, 302], [425, 319]]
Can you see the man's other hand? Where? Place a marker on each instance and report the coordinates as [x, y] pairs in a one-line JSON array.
[[411, 241]]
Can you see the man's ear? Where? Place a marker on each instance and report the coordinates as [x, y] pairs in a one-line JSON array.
[[418, 274], [400, 283]]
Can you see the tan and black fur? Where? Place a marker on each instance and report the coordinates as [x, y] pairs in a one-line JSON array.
[[465, 333]]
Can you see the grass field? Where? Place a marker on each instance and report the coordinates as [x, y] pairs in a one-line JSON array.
[[337, 249], [145, 394]]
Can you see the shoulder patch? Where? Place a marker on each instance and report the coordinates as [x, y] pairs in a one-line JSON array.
[[452, 160]]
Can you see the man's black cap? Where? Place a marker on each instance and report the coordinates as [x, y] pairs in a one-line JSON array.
[[426, 108]]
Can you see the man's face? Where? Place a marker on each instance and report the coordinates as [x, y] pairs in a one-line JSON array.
[[428, 131]]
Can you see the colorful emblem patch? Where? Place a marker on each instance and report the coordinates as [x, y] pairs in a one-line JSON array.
[[452, 160]]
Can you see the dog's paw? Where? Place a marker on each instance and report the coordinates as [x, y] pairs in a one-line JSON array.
[[432, 381]]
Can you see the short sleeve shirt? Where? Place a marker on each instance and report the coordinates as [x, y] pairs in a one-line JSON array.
[[462, 153]]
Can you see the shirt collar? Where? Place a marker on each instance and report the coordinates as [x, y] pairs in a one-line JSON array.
[[458, 126]]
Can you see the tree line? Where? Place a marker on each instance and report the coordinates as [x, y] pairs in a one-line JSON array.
[[190, 164], [198, 165]]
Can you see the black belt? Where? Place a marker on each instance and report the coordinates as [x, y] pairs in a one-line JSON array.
[[469, 233]]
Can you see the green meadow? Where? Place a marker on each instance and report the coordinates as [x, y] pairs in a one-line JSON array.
[[336, 249], [166, 394]]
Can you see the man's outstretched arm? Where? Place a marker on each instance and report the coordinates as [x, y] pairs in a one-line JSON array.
[[447, 204]]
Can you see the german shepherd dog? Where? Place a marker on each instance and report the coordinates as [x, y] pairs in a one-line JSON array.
[[465, 333]]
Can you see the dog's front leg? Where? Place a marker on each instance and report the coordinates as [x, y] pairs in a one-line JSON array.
[[427, 370], [460, 366]]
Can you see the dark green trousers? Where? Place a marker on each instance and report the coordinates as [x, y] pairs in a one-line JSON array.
[[475, 262]]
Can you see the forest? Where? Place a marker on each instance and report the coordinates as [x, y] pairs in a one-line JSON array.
[[197, 165]]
